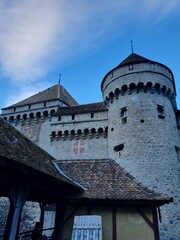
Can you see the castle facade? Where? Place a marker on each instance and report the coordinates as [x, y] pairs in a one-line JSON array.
[[137, 124]]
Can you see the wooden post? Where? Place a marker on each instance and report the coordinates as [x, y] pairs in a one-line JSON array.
[[9, 221], [42, 214], [18, 197], [155, 223], [114, 227], [59, 220]]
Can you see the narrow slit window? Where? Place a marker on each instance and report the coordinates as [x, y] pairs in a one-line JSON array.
[[124, 115], [178, 153], [131, 67], [73, 117]]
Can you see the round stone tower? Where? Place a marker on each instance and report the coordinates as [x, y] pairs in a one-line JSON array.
[[142, 129]]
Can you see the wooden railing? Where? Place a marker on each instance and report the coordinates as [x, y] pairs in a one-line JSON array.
[[27, 235]]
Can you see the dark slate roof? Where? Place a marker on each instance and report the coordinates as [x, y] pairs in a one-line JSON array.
[[17, 148], [105, 179], [48, 95], [134, 58], [86, 108]]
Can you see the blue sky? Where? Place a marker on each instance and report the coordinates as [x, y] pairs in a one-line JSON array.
[[82, 40]]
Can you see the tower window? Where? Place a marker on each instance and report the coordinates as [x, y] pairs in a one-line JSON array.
[[118, 147], [160, 110], [73, 117], [124, 120], [124, 115], [131, 67], [92, 115], [124, 112], [178, 153], [59, 118]]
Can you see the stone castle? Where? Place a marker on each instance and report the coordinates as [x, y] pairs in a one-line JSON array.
[[137, 125]]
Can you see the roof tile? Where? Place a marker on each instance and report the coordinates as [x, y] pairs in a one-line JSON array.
[[105, 179]]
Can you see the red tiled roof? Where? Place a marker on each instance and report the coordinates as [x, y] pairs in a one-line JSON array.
[[16, 147], [105, 179]]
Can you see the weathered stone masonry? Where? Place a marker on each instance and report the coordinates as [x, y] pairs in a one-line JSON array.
[[137, 125]]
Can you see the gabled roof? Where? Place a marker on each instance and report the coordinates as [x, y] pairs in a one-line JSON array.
[[49, 94], [105, 179], [16, 148], [86, 108]]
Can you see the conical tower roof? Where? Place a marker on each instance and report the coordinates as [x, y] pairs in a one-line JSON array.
[[134, 58]]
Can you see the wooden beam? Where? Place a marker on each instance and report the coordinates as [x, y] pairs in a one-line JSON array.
[[146, 219]]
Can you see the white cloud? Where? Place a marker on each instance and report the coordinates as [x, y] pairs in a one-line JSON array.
[[34, 33]]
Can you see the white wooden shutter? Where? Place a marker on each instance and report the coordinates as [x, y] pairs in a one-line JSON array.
[[87, 228]]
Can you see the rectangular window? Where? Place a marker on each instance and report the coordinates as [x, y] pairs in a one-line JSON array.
[[124, 112], [124, 115], [59, 118], [73, 117], [160, 110], [124, 120], [92, 115]]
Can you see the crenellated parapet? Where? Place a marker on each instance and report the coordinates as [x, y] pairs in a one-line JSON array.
[[136, 88], [29, 117], [79, 134]]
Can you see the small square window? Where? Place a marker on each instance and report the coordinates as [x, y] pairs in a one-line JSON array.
[[160, 109], [124, 120]]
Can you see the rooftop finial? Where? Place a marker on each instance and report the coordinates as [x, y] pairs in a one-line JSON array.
[[59, 79], [132, 46], [59, 86]]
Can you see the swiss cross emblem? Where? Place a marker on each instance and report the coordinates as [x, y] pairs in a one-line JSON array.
[[79, 147]]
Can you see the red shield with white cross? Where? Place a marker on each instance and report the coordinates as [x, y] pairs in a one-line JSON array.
[[79, 147]]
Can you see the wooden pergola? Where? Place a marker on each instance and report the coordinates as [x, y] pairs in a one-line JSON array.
[[28, 173]]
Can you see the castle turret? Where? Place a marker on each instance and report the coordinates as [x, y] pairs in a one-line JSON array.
[[142, 129]]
